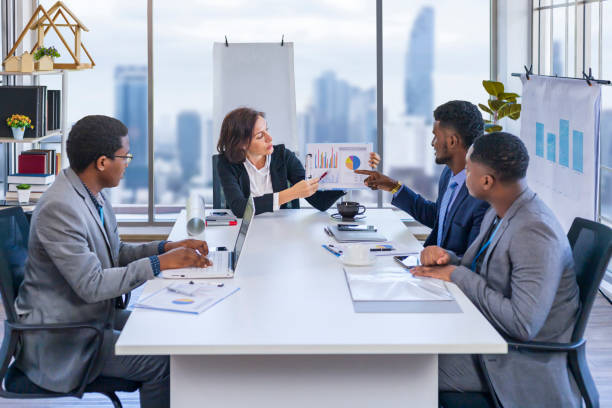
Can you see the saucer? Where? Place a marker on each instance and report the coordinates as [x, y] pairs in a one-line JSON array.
[[368, 263], [338, 217]]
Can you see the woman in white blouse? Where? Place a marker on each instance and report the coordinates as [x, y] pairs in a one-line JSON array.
[[249, 164]]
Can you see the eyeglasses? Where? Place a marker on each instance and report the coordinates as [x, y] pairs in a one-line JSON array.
[[128, 157]]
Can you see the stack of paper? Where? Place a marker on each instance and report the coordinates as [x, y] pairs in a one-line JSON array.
[[393, 284], [188, 297]]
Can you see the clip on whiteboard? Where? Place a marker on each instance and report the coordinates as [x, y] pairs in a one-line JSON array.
[[528, 71], [588, 77], [226, 44], [283, 40]]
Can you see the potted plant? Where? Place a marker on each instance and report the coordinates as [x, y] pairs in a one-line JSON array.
[[503, 104], [44, 58], [18, 123], [23, 193]]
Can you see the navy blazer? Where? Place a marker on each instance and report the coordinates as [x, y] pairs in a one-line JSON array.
[[463, 219], [285, 168]]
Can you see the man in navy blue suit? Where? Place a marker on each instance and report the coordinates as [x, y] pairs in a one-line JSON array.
[[455, 217]]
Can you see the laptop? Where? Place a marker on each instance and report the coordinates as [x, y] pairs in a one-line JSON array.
[[224, 262]]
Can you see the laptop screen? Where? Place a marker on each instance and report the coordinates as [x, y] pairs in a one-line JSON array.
[[249, 212]]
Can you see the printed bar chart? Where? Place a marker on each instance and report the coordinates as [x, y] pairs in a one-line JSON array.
[[563, 147]]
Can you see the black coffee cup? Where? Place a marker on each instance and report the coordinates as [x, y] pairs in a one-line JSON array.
[[349, 209]]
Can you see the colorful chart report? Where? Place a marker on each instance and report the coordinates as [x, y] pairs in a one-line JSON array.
[[338, 160]]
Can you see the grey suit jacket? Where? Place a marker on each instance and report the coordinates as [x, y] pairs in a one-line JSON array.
[[76, 267], [527, 289]]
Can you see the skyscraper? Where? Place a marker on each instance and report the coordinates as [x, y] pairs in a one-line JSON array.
[[131, 109], [189, 132], [557, 59], [418, 85]]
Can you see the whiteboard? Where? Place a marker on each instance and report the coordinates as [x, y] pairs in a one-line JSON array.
[[259, 76], [560, 127]]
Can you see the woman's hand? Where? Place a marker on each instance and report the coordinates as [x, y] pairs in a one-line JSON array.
[[374, 160], [305, 188]]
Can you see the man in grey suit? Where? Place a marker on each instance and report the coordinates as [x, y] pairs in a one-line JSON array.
[[77, 269], [519, 273]]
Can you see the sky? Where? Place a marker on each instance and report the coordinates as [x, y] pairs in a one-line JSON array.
[[327, 35]]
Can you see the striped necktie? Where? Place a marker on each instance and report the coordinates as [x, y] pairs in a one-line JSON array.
[[448, 194]]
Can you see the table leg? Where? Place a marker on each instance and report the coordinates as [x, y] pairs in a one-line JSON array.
[[304, 381]]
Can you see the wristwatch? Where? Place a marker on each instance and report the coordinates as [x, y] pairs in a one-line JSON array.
[[397, 187]]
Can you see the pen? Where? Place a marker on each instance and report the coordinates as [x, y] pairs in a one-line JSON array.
[[331, 250], [323, 175]]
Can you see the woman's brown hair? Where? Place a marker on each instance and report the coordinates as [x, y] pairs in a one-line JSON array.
[[236, 133]]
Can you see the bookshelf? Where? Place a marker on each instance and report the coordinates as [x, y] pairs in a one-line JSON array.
[[13, 147]]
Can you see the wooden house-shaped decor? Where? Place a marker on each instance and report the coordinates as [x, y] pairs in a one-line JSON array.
[[27, 62], [12, 64], [44, 64], [42, 21]]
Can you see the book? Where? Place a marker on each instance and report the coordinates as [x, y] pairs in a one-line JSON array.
[[13, 195], [35, 188], [23, 178], [32, 163]]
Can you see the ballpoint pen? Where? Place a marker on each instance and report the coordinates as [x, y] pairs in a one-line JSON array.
[[331, 250]]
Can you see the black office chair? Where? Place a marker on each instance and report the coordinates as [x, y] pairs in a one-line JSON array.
[[219, 196], [14, 230], [591, 244]]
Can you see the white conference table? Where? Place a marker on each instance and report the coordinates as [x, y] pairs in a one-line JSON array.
[[290, 337]]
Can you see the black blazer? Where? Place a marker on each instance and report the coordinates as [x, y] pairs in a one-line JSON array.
[[284, 168], [463, 218]]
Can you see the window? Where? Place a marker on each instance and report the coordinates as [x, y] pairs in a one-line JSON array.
[[335, 81], [431, 56], [116, 86]]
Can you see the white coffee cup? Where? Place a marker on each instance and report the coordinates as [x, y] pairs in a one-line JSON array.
[[358, 254]]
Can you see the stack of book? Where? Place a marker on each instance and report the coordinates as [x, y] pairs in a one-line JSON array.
[[39, 184], [39, 161], [221, 217]]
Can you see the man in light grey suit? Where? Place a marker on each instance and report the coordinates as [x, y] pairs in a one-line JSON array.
[[519, 273], [77, 269]]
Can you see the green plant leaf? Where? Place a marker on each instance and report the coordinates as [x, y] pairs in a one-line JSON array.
[[508, 96], [493, 88], [515, 116], [492, 128], [515, 111], [485, 108], [487, 121], [496, 105]]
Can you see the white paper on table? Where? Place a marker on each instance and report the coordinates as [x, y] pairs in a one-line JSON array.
[[393, 284], [339, 160], [398, 249], [206, 296]]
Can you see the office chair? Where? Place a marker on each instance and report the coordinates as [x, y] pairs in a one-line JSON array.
[[219, 196], [591, 244], [14, 231]]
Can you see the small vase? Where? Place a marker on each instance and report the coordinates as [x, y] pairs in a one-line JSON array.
[[18, 133], [23, 196]]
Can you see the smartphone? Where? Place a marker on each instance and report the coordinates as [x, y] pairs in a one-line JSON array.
[[408, 261], [356, 227]]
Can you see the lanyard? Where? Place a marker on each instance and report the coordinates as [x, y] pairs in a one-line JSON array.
[[484, 247], [102, 215]]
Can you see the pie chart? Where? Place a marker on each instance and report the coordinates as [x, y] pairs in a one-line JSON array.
[[352, 162]]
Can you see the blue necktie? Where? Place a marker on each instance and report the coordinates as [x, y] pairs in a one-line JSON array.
[[448, 194]]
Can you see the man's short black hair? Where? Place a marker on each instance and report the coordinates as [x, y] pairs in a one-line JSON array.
[[464, 117], [91, 137], [503, 153]]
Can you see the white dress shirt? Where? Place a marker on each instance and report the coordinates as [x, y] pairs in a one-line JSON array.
[[260, 181]]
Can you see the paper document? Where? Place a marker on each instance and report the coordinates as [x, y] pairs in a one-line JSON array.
[[188, 298], [338, 160], [393, 283], [388, 248]]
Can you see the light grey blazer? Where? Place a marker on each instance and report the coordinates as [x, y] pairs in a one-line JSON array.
[[527, 289], [76, 268]]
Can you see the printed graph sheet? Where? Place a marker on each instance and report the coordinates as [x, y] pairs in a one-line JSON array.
[[339, 160]]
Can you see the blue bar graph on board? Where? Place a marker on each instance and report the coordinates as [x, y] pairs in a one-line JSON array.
[[539, 139], [551, 145], [577, 151], [564, 142]]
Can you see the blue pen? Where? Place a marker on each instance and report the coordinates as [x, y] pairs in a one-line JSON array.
[[331, 250]]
